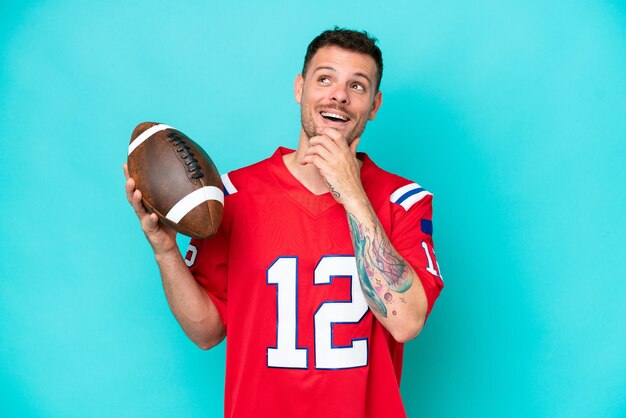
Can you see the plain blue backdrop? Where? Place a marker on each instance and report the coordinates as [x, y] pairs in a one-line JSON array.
[[512, 113]]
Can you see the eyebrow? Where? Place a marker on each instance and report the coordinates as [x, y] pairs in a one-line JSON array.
[[358, 74]]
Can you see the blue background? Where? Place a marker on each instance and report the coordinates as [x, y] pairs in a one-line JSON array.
[[512, 113]]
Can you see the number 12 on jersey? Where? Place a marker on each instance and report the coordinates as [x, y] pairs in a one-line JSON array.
[[286, 354]]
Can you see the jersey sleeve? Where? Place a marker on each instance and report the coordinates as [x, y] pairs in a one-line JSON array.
[[412, 237], [207, 260]]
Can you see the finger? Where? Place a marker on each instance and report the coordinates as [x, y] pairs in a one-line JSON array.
[[317, 161], [136, 202], [325, 142], [150, 223], [320, 140], [130, 189], [336, 137], [135, 198], [319, 150]]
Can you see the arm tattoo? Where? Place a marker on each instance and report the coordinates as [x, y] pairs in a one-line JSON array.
[[332, 189], [380, 267]]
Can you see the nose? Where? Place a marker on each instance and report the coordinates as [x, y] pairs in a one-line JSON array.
[[340, 94]]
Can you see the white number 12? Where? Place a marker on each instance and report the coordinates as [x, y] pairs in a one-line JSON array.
[[286, 354]]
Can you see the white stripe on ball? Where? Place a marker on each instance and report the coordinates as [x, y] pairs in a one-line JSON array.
[[145, 135], [193, 199]]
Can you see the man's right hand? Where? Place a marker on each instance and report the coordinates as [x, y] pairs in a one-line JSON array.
[[161, 238]]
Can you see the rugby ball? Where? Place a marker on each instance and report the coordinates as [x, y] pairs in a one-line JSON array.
[[177, 179]]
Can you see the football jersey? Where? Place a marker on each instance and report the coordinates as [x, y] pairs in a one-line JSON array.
[[301, 340]]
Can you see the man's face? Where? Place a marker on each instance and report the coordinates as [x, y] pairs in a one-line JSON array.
[[338, 91]]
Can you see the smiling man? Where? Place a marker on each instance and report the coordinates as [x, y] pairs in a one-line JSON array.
[[350, 107], [323, 266]]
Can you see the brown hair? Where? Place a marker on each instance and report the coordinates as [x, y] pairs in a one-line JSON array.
[[352, 40]]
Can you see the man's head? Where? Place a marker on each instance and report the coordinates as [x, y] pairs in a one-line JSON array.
[[339, 84], [350, 40]]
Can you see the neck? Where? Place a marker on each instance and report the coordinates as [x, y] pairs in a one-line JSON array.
[[307, 174]]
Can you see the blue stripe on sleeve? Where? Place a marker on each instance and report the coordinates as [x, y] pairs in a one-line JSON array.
[[408, 194], [427, 226]]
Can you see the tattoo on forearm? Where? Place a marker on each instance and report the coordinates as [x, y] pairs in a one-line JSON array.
[[381, 269], [334, 192]]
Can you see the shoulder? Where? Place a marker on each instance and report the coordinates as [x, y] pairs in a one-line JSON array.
[[237, 186], [398, 191], [243, 179]]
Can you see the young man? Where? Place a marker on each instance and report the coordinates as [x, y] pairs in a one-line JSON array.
[[323, 265]]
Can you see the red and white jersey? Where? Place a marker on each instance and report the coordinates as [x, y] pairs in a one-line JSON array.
[[301, 341]]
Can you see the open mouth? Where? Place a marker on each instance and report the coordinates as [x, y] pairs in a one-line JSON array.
[[334, 117]]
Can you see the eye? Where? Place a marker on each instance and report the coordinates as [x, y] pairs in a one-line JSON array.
[[358, 87], [324, 79]]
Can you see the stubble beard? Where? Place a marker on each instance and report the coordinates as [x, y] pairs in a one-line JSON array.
[[311, 130]]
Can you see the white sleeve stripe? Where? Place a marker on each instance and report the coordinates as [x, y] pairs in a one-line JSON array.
[[410, 201], [402, 191], [145, 135], [228, 185], [193, 199]]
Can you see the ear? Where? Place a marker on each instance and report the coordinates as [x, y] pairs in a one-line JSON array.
[[297, 87], [378, 100]]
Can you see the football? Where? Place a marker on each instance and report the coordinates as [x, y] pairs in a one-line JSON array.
[[177, 179]]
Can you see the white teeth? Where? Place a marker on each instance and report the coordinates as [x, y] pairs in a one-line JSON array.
[[334, 115]]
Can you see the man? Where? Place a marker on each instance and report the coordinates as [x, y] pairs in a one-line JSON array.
[[323, 265]]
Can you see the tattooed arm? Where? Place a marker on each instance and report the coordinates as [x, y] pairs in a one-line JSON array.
[[390, 285]]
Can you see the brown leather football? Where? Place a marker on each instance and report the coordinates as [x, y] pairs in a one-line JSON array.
[[177, 179]]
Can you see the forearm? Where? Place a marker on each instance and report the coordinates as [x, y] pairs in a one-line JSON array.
[[193, 308], [390, 285]]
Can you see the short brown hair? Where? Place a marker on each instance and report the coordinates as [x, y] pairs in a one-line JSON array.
[[352, 40]]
